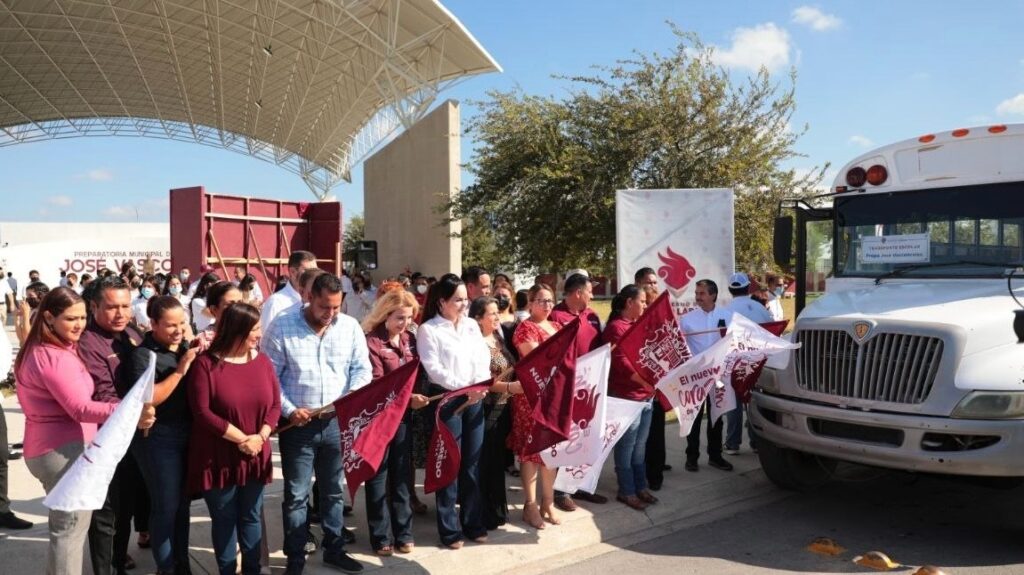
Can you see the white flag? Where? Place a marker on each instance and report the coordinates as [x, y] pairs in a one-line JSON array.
[[619, 415], [84, 486], [723, 400], [688, 385], [590, 394]]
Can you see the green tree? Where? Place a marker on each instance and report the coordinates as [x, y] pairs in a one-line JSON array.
[[355, 232], [546, 169]]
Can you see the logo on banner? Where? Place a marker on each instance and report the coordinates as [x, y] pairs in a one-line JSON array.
[[677, 271], [440, 454], [355, 426], [664, 350]]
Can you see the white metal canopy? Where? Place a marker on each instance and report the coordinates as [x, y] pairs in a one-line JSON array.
[[312, 85]]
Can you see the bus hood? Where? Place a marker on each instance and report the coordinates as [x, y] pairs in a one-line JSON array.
[[980, 309]]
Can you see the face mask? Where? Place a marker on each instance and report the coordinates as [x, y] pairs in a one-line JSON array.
[[779, 291], [503, 302], [421, 289], [175, 290], [147, 292], [184, 276], [32, 302]]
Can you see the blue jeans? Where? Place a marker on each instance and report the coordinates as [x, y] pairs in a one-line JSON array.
[[235, 518], [630, 452], [316, 445], [468, 429], [163, 460], [392, 477], [734, 428]]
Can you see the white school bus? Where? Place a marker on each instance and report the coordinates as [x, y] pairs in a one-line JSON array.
[[911, 359]]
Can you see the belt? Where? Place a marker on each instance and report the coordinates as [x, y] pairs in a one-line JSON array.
[[327, 415]]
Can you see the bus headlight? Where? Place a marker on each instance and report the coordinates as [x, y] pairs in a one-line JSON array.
[[990, 405]]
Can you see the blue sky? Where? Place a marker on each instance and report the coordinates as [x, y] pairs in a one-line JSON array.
[[869, 73]]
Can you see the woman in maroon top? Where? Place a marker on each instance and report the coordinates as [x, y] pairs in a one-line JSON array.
[[529, 334], [625, 383], [391, 346], [236, 401]]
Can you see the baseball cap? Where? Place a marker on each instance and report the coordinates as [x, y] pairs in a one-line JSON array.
[[739, 280], [577, 271]]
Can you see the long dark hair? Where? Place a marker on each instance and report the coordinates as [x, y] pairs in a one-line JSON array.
[[205, 282], [622, 298], [442, 290], [215, 293], [57, 301], [236, 322]]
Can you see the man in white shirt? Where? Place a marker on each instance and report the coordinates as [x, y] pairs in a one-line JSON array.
[[282, 300], [6, 299], [743, 304], [702, 327]]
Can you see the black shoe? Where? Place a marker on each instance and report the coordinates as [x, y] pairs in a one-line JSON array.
[[719, 463], [590, 497], [346, 511], [343, 561], [13, 455], [311, 543], [348, 536], [654, 486], [17, 446], [691, 466], [313, 518], [11, 521], [294, 569], [666, 467]]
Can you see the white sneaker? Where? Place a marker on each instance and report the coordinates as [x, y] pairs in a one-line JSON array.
[[731, 451]]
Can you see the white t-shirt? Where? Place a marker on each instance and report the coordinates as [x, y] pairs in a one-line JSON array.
[[278, 303], [750, 309], [453, 357], [139, 306], [199, 318], [357, 305]]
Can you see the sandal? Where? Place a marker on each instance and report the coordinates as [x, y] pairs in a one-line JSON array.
[[455, 546], [549, 514], [531, 515], [385, 551], [406, 547]]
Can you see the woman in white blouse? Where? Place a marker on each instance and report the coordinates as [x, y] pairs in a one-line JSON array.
[[455, 355]]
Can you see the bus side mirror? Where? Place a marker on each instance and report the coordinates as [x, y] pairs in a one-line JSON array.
[[782, 241]]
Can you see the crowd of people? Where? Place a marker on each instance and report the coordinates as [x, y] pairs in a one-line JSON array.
[[233, 368]]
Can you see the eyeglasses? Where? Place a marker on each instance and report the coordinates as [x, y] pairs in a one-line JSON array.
[[544, 301]]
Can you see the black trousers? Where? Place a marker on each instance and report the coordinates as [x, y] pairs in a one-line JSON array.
[[714, 433], [655, 454], [497, 426], [5, 503], [101, 531]]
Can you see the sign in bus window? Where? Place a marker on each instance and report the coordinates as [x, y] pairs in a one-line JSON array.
[[896, 249]]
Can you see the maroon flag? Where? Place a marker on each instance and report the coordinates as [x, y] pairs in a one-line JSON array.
[[368, 418], [776, 328], [655, 345], [548, 377], [443, 454]]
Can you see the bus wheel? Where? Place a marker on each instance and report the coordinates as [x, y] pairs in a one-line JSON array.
[[792, 469]]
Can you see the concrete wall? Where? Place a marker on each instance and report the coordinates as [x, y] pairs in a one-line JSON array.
[[403, 184]]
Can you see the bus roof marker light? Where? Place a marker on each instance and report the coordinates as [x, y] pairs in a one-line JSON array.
[[877, 175], [961, 132], [997, 129], [926, 138], [856, 176]]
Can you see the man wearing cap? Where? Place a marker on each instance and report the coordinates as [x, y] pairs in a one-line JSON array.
[[743, 304], [577, 291], [701, 327]]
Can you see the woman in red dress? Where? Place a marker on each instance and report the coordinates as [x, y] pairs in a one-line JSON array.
[[529, 334]]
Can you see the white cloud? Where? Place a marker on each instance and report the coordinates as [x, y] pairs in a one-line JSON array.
[[1014, 105], [97, 175], [763, 45], [60, 201], [862, 141], [119, 211], [815, 18]]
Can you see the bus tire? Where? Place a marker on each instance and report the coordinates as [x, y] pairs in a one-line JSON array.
[[794, 470]]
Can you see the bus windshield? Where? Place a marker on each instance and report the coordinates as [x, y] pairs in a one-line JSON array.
[[929, 231]]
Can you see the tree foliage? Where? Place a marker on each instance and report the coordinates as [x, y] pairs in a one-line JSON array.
[[546, 169], [355, 232]]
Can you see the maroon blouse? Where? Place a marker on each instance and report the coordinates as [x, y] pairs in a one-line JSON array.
[[245, 395], [385, 357], [620, 380]]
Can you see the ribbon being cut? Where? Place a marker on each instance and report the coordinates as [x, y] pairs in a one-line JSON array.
[[368, 418], [84, 486]]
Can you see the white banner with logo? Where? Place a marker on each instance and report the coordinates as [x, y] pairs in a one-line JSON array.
[[895, 249], [684, 235]]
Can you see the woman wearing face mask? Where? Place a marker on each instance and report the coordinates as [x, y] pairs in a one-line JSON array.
[[162, 454], [146, 293], [34, 294], [358, 303], [455, 356], [503, 297], [198, 303]]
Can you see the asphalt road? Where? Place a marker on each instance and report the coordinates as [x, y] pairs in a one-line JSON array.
[[963, 528]]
